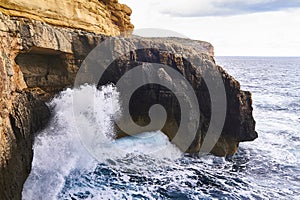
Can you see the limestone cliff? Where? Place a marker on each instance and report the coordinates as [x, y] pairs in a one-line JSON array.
[[33, 50], [99, 16], [42, 49]]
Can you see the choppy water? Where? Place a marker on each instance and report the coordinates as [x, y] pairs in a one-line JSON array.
[[268, 168]]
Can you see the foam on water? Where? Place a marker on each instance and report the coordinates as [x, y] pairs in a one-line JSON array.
[[58, 150], [274, 83]]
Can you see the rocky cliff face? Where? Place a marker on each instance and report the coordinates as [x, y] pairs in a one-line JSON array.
[[28, 115], [20, 116], [42, 50], [35, 55], [194, 61], [98, 16]]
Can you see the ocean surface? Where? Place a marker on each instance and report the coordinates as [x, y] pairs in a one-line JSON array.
[[268, 168]]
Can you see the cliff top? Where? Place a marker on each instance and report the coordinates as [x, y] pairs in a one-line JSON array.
[[187, 44]]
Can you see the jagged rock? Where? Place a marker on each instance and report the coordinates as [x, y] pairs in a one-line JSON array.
[[28, 115]]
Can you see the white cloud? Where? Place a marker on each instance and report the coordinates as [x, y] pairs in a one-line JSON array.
[[200, 8], [265, 34]]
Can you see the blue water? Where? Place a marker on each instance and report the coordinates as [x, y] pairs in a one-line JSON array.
[[268, 168]]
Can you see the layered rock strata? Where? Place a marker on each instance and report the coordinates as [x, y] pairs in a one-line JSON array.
[[98, 16]]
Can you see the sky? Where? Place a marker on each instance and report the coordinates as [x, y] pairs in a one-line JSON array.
[[233, 27]]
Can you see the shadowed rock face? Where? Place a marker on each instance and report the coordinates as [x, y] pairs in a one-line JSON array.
[[43, 59], [27, 117], [239, 124]]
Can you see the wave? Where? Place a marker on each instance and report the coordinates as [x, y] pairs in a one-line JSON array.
[[59, 150], [267, 168]]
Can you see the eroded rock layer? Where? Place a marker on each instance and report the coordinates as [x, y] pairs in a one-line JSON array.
[[99, 16]]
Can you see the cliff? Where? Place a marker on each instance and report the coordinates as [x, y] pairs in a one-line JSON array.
[[42, 48], [25, 30], [98, 16], [217, 94]]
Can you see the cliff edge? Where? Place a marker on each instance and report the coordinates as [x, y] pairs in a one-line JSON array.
[[98, 16]]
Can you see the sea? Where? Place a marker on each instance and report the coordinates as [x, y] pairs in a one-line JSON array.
[[127, 168]]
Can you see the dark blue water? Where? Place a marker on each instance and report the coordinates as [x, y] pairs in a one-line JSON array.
[[268, 168]]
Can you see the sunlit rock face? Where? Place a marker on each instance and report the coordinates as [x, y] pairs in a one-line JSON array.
[[102, 17]]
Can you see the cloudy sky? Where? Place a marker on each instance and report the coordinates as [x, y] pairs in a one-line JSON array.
[[234, 27]]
